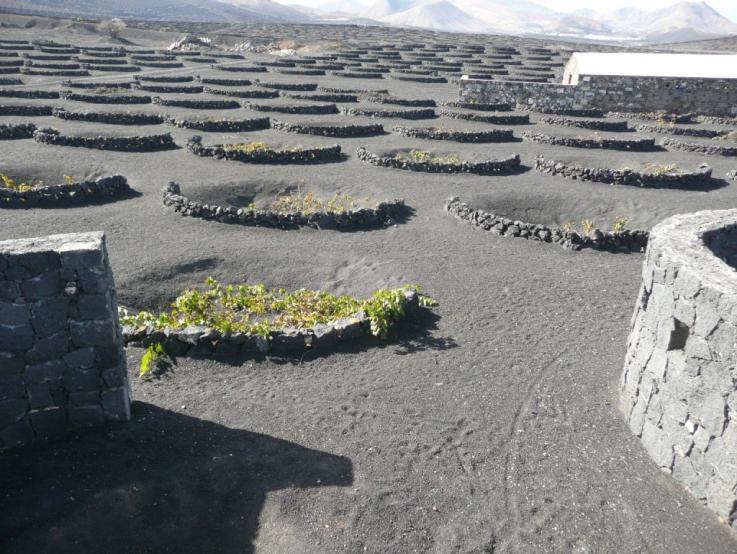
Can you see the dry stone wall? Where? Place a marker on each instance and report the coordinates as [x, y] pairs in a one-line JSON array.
[[622, 94], [62, 363], [678, 389]]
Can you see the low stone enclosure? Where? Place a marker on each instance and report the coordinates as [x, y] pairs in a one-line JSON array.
[[62, 363], [700, 179], [494, 119], [678, 389], [645, 144], [320, 154], [384, 214], [105, 98], [201, 340], [142, 143], [216, 125], [673, 130], [19, 131], [619, 241], [594, 124], [708, 149], [468, 136], [609, 93], [110, 118], [485, 167], [341, 131], [113, 186], [420, 113]]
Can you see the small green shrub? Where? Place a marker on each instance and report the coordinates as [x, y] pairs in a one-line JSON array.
[[254, 309], [662, 169], [10, 183], [151, 359], [619, 224]]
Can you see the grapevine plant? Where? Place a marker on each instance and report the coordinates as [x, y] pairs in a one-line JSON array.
[[254, 309]]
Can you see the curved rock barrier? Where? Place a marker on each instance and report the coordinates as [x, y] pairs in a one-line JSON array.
[[496, 119], [111, 68], [14, 132], [313, 72], [655, 116], [673, 130], [410, 103], [486, 167], [36, 94], [716, 120], [709, 150], [247, 93], [225, 82], [9, 81], [240, 69], [481, 107], [165, 78], [50, 73], [700, 178], [426, 113], [677, 388], [595, 124], [96, 85], [339, 90], [66, 193], [111, 118], [197, 104], [323, 154], [358, 75], [24, 110], [222, 125], [141, 143], [418, 78], [304, 87], [196, 340], [160, 65], [622, 241], [568, 112], [163, 89], [304, 109], [467, 136], [384, 214], [338, 131], [105, 98], [635, 145], [341, 98]]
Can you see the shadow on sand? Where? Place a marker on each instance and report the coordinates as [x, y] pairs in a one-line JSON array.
[[164, 482]]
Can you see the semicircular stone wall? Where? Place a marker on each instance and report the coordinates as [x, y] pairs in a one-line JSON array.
[[679, 383]]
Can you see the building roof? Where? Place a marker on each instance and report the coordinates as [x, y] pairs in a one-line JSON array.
[[695, 66]]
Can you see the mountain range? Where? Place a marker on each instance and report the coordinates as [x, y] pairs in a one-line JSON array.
[[680, 22]]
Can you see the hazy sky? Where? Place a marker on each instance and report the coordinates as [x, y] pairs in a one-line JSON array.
[[727, 8]]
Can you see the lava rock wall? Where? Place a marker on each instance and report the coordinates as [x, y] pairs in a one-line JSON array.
[[678, 388], [62, 363]]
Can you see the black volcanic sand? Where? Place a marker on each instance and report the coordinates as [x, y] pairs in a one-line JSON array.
[[489, 424]]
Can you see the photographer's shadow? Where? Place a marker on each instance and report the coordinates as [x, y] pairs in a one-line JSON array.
[[164, 482]]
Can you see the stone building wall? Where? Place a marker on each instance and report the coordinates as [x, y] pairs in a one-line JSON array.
[[678, 388], [635, 94], [62, 363]]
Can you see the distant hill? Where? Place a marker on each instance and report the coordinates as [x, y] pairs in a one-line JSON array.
[[681, 22]]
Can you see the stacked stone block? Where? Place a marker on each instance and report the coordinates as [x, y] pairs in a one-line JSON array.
[[62, 363], [678, 386], [609, 93]]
